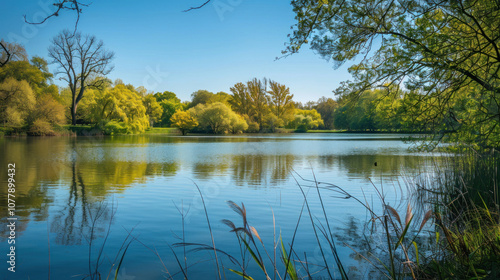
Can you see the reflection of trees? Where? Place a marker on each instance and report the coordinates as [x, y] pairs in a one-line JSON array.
[[32, 178], [364, 165], [72, 222], [261, 169], [255, 170]]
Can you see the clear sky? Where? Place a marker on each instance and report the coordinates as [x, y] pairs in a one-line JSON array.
[[160, 47]]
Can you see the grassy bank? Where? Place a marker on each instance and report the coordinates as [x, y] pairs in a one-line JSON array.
[[162, 130]]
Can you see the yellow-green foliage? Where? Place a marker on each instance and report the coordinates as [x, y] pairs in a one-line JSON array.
[[272, 122], [221, 97], [48, 109], [24, 71], [184, 121], [218, 118], [281, 101], [237, 123], [153, 108], [17, 100], [118, 104], [41, 127], [306, 119]]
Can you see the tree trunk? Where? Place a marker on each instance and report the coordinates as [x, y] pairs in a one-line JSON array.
[[73, 114]]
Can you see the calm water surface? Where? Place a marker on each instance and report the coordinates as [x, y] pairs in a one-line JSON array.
[[65, 187]]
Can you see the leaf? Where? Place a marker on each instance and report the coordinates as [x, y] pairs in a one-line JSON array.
[[121, 260], [241, 274], [290, 268], [254, 256], [404, 232], [416, 252]]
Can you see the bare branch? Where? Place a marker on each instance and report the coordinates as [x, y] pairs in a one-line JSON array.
[[198, 7]]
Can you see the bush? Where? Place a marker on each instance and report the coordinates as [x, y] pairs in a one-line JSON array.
[[253, 127], [41, 127], [113, 127]]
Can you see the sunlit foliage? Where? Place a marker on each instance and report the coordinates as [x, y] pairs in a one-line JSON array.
[[184, 121]]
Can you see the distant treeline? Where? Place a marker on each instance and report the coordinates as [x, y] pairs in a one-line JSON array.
[[32, 104]]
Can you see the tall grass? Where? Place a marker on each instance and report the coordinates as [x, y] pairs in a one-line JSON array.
[[467, 218]]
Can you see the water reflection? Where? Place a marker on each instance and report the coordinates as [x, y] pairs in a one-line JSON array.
[[97, 166], [64, 181]]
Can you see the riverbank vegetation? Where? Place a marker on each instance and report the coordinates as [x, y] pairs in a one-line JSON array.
[[34, 105]]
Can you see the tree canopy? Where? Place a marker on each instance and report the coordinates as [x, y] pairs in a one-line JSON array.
[[440, 50]]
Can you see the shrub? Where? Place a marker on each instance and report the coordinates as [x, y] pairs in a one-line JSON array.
[[41, 127], [113, 127]]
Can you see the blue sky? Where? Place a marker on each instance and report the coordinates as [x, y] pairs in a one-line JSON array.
[[160, 47]]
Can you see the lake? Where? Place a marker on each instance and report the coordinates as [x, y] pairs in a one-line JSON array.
[[76, 193]]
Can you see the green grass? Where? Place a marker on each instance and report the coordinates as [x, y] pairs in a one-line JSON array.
[[325, 131], [162, 130]]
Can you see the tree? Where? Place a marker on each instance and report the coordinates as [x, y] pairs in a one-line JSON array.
[[16, 100], [200, 97], [221, 97], [4, 54], [166, 95], [257, 92], [326, 108], [217, 117], [237, 123], [82, 61], [24, 71], [11, 52], [438, 47], [240, 100], [306, 119], [169, 107], [153, 108], [184, 121], [281, 101], [118, 110], [272, 122]]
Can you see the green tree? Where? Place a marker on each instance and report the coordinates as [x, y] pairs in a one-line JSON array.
[[221, 97], [166, 95], [240, 101], [200, 97], [118, 110], [237, 123], [306, 119], [272, 122], [153, 108], [217, 117], [326, 108], [184, 121], [438, 47], [24, 71], [169, 104], [281, 101], [257, 92], [169, 107], [82, 61]]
